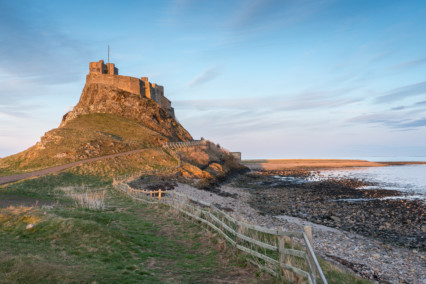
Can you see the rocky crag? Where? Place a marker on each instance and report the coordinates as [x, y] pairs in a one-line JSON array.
[[100, 98], [115, 115]]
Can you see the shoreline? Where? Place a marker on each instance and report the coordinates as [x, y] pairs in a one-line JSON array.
[[275, 164], [367, 257]]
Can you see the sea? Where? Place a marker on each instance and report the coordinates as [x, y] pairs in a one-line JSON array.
[[409, 179]]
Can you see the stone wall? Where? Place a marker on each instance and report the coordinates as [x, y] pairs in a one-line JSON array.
[[236, 155], [129, 84], [107, 74]]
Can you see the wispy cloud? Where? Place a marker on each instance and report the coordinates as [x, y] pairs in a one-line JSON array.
[[404, 121], [403, 92], [273, 13], [31, 46], [416, 105], [411, 63], [205, 76], [304, 101], [413, 124]]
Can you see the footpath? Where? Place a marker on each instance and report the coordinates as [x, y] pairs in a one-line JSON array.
[[57, 169]]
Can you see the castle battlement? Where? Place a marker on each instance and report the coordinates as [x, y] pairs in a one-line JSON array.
[[107, 74]]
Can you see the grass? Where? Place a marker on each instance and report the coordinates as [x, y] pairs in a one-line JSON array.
[[146, 160], [86, 198], [83, 137], [126, 242], [123, 241]]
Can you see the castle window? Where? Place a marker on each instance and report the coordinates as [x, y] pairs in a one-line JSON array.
[[93, 69]]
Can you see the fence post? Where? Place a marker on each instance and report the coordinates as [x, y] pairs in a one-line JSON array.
[[308, 232], [237, 238], [281, 246], [159, 195]]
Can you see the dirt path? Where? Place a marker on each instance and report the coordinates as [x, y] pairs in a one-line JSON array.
[[12, 178]]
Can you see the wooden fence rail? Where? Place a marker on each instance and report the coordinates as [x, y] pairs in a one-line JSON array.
[[268, 248], [174, 145]]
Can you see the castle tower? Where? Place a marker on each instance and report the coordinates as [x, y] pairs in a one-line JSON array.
[[102, 68]]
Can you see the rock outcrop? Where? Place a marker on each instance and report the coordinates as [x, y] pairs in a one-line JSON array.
[[100, 98]]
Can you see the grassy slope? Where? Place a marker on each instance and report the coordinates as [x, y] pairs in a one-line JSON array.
[[86, 136], [126, 243], [112, 167]]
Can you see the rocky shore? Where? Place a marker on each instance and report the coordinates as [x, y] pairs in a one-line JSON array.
[[387, 255], [339, 203]]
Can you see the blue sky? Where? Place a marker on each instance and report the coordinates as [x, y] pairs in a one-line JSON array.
[[271, 78]]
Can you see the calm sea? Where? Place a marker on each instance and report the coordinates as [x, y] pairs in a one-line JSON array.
[[406, 178]]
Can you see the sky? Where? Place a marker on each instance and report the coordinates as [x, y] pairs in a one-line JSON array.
[[269, 78]]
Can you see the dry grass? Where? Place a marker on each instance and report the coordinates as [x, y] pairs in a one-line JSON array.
[[89, 200], [84, 137], [13, 217], [85, 197], [148, 159]]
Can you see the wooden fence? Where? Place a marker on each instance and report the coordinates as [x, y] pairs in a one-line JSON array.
[[175, 145], [285, 254]]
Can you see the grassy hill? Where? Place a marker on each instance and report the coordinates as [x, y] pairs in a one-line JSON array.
[[84, 137]]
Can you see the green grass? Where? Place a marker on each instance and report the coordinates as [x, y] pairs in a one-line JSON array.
[[128, 242]]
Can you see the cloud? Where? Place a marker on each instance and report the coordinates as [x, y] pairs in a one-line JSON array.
[[416, 105], [409, 64], [403, 92], [403, 121], [304, 101], [273, 14], [32, 47], [413, 124], [204, 77], [14, 111]]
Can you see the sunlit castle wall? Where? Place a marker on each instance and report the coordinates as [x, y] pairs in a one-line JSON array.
[[107, 74]]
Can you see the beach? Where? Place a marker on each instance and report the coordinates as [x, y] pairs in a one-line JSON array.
[[380, 240]]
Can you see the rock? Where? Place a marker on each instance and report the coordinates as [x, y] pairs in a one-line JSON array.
[[99, 98], [29, 226], [336, 219]]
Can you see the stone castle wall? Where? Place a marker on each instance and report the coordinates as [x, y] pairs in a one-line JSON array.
[[126, 83], [107, 74]]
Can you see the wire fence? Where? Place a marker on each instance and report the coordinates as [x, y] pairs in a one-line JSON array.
[[285, 254]]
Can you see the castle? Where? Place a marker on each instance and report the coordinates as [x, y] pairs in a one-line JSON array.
[[107, 74]]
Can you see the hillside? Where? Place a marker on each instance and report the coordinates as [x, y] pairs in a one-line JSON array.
[[109, 120], [84, 137]]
